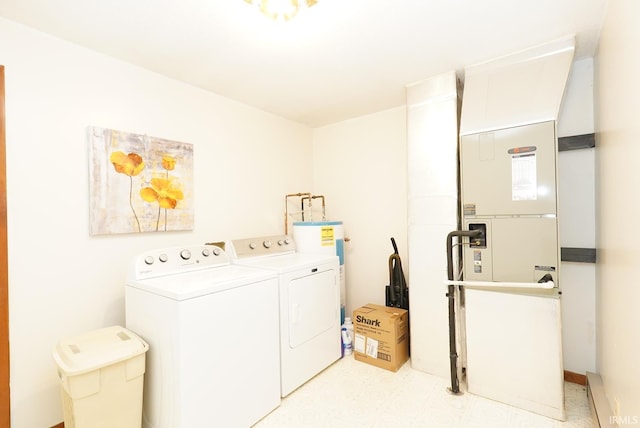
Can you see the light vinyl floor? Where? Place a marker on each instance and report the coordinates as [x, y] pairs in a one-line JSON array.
[[352, 394]]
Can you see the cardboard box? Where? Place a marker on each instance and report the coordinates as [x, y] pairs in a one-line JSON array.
[[381, 336]]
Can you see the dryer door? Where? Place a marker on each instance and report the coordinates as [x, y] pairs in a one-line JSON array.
[[313, 305]]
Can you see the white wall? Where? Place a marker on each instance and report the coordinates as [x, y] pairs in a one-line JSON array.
[[576, 193], [64, 282], [360, 165], [617, 136]]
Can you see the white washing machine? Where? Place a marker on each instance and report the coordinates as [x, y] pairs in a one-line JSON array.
[[213, 334], [309, 304]]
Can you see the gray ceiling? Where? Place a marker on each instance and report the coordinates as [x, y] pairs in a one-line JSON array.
[[337, 60]]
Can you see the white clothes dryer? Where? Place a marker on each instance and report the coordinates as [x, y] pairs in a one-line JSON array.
[[309, 287], [213, 335]]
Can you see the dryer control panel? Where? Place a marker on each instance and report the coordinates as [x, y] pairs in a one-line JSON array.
[[262, 246]]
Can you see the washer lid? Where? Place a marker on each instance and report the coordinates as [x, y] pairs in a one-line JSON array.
[[97, 349], [183, 286]]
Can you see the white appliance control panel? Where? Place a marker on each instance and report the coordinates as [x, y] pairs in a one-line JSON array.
[[168, 261], [262, 246]]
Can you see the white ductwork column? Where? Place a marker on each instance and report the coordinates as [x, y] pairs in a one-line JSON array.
[[432, 133]]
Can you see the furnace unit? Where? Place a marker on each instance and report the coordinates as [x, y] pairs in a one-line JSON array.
[[509, 193], [507, 341]]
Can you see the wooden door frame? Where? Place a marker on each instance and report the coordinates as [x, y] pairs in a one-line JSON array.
[[5, 406]]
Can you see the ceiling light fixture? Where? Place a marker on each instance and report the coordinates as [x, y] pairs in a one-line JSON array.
[[281, 9]]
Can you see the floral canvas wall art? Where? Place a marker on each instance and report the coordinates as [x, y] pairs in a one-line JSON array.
[[139, 183]]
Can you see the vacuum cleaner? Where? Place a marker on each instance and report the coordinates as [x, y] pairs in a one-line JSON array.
[[397, 292]]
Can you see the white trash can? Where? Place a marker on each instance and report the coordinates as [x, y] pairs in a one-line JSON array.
[[101, 375]]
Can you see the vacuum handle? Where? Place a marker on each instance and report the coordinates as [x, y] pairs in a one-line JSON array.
[[395, 247], [393, 296]]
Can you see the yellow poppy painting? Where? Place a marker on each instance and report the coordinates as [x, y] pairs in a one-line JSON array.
[[139, 183]]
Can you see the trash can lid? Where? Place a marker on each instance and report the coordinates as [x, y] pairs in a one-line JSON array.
[[97, 349]]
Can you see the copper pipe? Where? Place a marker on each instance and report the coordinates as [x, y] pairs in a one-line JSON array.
[[324, 213], [302, 204], [286, 209], [310, 198]]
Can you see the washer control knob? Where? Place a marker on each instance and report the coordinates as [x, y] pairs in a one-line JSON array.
[[148, 260], [252, 245], [206, 252], [163, 258], [280, 242], [287, 241], [185, 254], [217, 251], [266, 244]]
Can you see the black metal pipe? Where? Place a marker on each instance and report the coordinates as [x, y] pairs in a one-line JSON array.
[[453, 353]]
